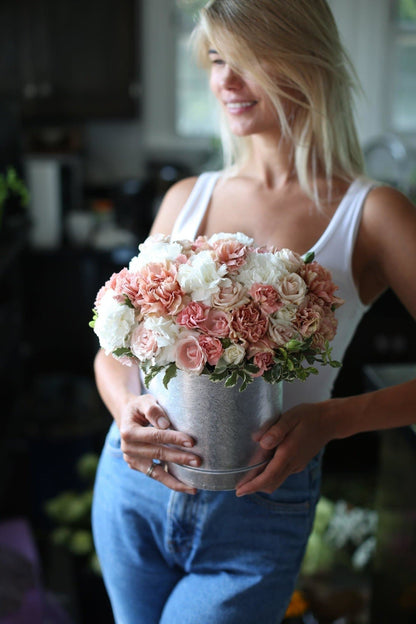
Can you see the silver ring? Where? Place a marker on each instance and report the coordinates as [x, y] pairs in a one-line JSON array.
[[149, 471]]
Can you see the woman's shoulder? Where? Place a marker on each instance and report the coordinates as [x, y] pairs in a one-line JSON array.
[[172, 204]]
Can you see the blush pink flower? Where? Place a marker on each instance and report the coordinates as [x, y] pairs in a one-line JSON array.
[[249, 323], [189, 355], [143, 343], [231, 295], [326, 330], [262, 354], [193, 315], [280, 332], [212, 347], [124, 284], [217, 323], [267, 297], [159, 291], [230, 252], [308, 319], [319, 281]]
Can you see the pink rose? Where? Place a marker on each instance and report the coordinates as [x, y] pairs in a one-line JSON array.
[[143, 343], [292, 289], [189, 355], [216, 324], [232, 295], [159, 291], [212, 347], [319, 281], [193, 315], [280, 332], [249, 323], [230, 252], [267, 297]]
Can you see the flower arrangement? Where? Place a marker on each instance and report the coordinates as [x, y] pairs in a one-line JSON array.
[[219, 306]]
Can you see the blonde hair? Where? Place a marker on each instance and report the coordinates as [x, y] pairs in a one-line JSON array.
[[292, 49]]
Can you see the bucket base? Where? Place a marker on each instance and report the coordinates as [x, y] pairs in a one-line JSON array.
[[214, 480]]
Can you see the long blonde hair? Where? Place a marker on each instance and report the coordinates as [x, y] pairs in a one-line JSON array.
[[292, 49]]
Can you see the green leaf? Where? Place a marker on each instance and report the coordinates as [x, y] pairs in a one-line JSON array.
[[122, 351], [309, 257], [232, 380], [170, 373]]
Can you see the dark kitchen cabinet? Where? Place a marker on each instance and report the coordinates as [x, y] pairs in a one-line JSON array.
[[70, 60]]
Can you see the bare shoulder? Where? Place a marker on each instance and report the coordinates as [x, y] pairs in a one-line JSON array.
[[388, 242], [172, 204]]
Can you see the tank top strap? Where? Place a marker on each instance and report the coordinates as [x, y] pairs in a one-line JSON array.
[[336, 245], [190, 217]]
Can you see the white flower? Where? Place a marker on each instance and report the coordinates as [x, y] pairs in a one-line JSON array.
[[242, 238], [291, 260], [114, 323], [287, 313], [262, 268], [200, 277], [164, 330], [292, 289], [234, 354], [155, 251]]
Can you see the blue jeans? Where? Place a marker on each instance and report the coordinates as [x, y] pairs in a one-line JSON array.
[[212, 558]]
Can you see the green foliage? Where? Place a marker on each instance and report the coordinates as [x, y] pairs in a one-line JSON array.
[[407, 10], [71, 513], [11, 186]]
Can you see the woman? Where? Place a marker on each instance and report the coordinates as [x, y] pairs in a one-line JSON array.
[[293, 179]]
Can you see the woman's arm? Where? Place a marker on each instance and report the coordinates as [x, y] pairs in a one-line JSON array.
[[386, 257], [120, 389]]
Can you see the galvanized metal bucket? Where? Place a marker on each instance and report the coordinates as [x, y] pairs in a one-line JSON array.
[[224, 422]]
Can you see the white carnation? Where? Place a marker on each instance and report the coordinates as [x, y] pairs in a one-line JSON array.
[[242, 238], [114, 323], [153, 250], [164, 330], [262, 268], [200, 277]]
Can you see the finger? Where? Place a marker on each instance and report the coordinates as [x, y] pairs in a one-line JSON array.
[[154, 413], [276, 433], [134, 436], [159, 473], [272, 477], [161, 453]]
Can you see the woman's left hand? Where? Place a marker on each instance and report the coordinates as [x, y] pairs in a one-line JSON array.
[[299, 434]]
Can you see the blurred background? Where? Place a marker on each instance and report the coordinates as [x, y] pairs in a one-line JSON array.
[[101, 110]]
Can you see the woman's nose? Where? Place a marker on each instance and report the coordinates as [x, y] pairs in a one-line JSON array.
[[230, 78]]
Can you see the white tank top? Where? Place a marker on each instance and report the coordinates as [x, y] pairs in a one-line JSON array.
[[333, 250]]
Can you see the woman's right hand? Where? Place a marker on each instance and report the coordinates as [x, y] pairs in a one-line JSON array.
[[145, 436]]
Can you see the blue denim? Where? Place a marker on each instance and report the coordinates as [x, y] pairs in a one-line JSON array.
[[212, 558]]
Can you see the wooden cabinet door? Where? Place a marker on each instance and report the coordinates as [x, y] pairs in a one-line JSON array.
[[70, 59]]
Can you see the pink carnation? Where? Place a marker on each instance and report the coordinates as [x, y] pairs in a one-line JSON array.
[[326, 331], [189, 355], [231, 253], [308, 319], [249, 323], [267, 297], [212, 347], [319, 282], [159, 291], [262, 356]]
